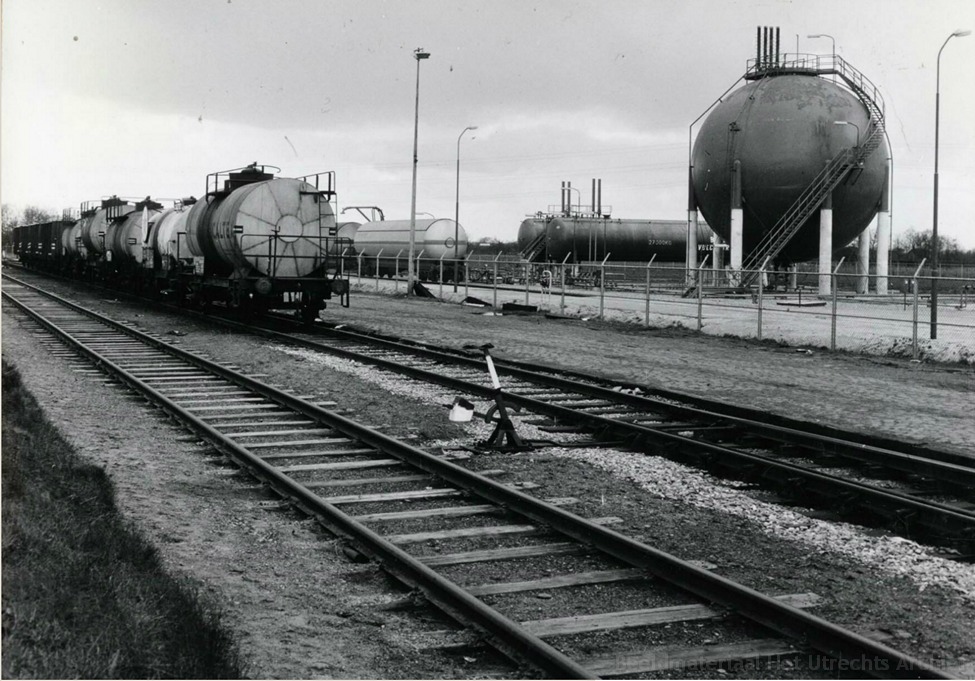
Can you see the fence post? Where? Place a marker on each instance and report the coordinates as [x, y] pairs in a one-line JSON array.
[[646, 312], [441, 276], [527, 280], [358, 274], [562, 299], [761, 294], [494, 286], [396, 272], [914, 350], [700, 292], [467, 276], [832, 333], [602, 284], [377, 266]]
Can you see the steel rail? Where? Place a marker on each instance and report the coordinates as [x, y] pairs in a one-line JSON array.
[[506, 635], [946, 471], [792, 622], [958, 523]]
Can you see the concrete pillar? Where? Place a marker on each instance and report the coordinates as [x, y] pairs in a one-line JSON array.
[[883, 235], [863, 262], [793, 277], [737, 225], [825, 244]]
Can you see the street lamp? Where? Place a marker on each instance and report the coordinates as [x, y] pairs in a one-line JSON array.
[[935, 271], [457, 207], [854, 125], [418, 54], [824, 35], [833, 42]]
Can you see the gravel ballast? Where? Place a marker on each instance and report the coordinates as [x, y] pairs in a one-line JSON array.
[[290, 590]]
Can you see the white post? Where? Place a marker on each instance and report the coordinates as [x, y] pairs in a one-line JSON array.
[[863, 262], [883, 252], [825, 244], [883, 234]]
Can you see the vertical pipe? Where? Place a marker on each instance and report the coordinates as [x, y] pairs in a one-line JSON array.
[[562, 195], [758, 46], [527, 280], [777, 46], [594, 196], [825, 244], [599, 192], [690, 255]]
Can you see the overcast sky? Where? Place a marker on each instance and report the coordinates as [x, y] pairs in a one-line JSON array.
[[138, 97]]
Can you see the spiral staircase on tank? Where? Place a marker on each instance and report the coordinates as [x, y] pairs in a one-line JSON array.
[[834, 172]]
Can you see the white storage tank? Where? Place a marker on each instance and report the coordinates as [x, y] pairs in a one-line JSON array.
[[435, 238]]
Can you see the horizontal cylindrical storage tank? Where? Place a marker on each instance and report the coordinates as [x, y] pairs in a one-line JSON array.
[[434, 238], [529, 230], [167, 234], [276, 227], [93, 233], [127, 236], [592, 239]]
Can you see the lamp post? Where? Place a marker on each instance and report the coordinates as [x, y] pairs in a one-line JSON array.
[[419, 55], [833, 42], [854, 125], [457, 208], [935, 269]]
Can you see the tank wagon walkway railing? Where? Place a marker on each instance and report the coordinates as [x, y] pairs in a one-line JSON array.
[[835, 171]]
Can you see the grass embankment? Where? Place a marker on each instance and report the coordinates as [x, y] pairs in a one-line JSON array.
[[84, 595]]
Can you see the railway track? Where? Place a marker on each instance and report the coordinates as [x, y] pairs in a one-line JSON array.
[[922, 494], [401, 505]]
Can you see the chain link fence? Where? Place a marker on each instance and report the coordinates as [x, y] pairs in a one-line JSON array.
[[839, 310]]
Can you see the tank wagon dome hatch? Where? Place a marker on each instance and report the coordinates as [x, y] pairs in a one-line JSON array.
[[792, 137], [275, 227]]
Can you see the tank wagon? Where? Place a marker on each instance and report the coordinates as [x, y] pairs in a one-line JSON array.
[[591, 239], [433, 240], [254, 242]]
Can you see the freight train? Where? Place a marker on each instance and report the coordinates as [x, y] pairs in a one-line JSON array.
[[254, 242]]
